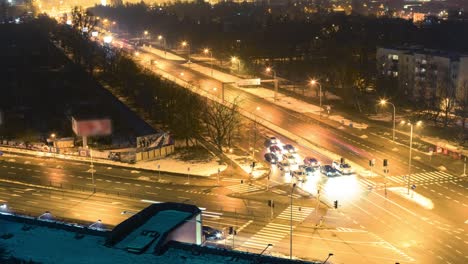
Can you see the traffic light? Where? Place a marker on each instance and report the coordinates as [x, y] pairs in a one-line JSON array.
[[231, 230], [335, 204], [385, 162], [342, 160], [253, 164], [269, 203]]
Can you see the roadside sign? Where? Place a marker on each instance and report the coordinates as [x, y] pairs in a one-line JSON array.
[[248, 82]]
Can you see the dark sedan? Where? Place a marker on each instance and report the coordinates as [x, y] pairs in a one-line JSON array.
[[271, 158], [328, 171]]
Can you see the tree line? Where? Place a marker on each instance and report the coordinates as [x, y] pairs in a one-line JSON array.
[[339, 50], [187, 115]]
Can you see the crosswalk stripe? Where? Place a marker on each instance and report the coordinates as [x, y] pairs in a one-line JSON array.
[[350, 230], [365, 183], [298, 213], [244, 188], [270, 233], [432, 176]]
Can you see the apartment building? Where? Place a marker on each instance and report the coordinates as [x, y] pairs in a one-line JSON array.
[[425, 74]]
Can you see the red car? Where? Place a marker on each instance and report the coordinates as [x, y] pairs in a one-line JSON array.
[[309, 161], [275, 149]]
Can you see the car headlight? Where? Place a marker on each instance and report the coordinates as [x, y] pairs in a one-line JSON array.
[[218, 235]]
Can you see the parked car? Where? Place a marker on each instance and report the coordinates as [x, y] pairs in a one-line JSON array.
[[271, 140], [271, 158], [289, 148], [275, 150], [328, 171], [211, 233], [312, 162], [343, 168]]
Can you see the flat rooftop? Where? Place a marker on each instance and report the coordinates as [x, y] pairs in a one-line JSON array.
[[47, 245], [162, 223]]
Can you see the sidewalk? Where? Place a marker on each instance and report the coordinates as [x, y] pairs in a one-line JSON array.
[[166, 165]]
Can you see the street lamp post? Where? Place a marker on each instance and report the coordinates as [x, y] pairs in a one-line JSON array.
[[269, 245], [329, 255], [92, 168], [290, 223], [275, 81], [160, 37], [232, 169], [464, 168], [206, 51], [410, 151], [314, 82], [186, 44], [235, 59], [384, 102]]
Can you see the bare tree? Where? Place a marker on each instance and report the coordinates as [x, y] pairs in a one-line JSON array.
[[446, 94], [462, 109], [221, 122], [83, 20]]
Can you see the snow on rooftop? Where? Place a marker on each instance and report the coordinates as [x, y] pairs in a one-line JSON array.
[[47, 245], [162, 222]]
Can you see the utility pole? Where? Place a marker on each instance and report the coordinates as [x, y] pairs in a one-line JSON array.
[[385, 165], [290, 223], [464, 168]]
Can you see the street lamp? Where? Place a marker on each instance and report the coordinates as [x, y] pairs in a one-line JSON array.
[[290, 222], [315, 82], [329, 255], [186, 44], [410, 149], [275, 81], [230, 158], [234, 59], [206, 51], [269, 245], [384, 102], [160, 37], [92, 168]]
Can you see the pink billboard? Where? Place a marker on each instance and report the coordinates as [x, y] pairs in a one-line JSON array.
[[92, 127]]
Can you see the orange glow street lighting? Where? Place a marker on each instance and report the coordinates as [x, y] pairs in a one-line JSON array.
[[419, 123], [384, 102], [315, 82], [234, 59], [275, 81], [161, 38], [207, 51], [186, 44]]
